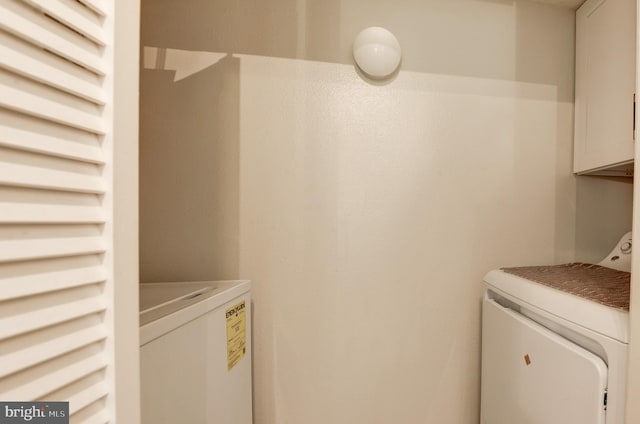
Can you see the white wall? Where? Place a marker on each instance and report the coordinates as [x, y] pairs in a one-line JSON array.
[[366, 215]]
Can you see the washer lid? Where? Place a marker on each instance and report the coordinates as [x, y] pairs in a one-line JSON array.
[[602, 319], [155, 296], [166, 306]]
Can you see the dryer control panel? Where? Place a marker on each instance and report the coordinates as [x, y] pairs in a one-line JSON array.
[[620, 256]]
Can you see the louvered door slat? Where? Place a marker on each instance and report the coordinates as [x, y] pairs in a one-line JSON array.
[[49, 145], [24, 22], [18, 206], [90, 416], [21, 250], [27, 103], [98, 6], [24, 63], [27, 278], [72, 17], [18, 213], [40, 385], [27, 176], [15, 325], [87, 396], [82, 393], [22, 133], [38, 353]]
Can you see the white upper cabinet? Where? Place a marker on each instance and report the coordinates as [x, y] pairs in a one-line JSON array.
[[605, 87]]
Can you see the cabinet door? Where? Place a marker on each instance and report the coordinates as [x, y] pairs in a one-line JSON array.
[[531, 375], [605, 84]]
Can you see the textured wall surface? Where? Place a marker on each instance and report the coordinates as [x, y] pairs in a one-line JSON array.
[[365, 214], [368, 216]]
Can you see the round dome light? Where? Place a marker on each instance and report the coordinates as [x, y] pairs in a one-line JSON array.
[[377, 52]]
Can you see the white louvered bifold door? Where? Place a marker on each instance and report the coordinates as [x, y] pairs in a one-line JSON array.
[[55, 204]]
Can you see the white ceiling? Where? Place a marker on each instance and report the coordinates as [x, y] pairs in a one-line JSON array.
[[573, 4]]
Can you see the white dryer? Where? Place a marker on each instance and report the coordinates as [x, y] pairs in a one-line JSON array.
[[554, 342], [195, 352]]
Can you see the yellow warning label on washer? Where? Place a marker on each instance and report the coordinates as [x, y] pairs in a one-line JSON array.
[[236, 334]]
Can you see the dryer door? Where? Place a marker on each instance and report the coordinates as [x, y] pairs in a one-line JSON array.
[[531, 375]]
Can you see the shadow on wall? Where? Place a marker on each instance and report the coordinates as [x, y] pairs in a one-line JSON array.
[[189, 176], [437, 36], [541, 57], [189, 128], [606, 207], [265, 28], [447, 39]]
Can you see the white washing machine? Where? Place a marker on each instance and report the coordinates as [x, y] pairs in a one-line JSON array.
[[554, 342], [195, 352]]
